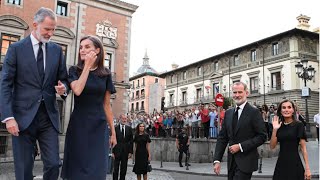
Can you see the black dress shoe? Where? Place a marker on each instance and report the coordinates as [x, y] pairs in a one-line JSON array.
[[181, 165], [187, 164]]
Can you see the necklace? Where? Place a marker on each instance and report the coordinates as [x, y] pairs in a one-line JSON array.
[[92, 69], [286, 123]]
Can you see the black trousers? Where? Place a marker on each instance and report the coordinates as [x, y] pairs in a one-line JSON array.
[[206, 127], [234, 173], [40, 129], [181, 151], [121, 161]]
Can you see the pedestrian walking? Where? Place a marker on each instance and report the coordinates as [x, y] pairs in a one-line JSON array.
[[290, 133], [91, 83], [182, 144], [124, 148], [33, 72], [142, 152], [243, 129]]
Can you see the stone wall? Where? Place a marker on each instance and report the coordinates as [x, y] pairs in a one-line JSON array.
[[201, 150]]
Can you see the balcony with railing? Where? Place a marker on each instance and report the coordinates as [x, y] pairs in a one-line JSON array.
[[183, 102]]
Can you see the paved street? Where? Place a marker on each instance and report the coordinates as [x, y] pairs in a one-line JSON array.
[[155, 175], [199, 171]]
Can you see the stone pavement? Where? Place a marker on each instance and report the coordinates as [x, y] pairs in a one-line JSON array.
[[206, 169], [154, 175], [268, 165]]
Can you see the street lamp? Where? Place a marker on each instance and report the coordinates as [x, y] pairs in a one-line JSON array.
[[306, 73]]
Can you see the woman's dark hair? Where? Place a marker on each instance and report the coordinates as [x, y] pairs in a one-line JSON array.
[[280, 108], [265, 107], [101, 70], [137, 128]]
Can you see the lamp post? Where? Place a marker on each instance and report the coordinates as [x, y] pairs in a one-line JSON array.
[[306, 73]]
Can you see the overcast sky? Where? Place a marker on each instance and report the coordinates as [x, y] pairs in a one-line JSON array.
[[186, 31]]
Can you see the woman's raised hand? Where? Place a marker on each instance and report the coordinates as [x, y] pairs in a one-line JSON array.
[[90, 59], [275, 122]]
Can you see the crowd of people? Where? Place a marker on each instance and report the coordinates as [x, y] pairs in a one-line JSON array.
[[200, 122]]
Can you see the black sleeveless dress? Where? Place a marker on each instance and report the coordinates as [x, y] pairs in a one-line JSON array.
[[289, 165]]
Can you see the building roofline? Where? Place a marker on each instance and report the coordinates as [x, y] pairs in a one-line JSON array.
[[143, 74], [120, 4], [291, 31]]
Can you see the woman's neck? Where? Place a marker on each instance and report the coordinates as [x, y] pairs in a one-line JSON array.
[[288, 120]]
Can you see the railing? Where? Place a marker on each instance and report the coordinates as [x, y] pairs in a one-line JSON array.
[[183, 102], [193, 132], [277, 88]]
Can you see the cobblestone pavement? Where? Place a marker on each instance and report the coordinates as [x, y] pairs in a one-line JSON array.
[[197, 171], [7, 173], [154, 175]]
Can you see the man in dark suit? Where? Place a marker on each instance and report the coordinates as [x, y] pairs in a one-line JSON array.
[[243, 129], [34, 71], [124, 148]]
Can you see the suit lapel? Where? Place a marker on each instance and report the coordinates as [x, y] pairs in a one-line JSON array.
[[243, 117], [30, 58]]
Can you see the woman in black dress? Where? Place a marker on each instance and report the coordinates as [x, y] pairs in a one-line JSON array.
[[142, 152], [92, 86], [289, 133]]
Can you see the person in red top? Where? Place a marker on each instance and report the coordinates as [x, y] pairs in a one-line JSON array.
[[204, 113], [222, 112]]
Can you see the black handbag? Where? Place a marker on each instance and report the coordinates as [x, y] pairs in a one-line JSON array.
[[149, 167], [110, 163]]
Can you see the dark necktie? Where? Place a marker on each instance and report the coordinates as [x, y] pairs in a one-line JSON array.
[[122, 130], [40, 62], [235, 119]]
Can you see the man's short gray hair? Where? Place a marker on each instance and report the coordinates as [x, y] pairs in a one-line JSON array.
[[42, 13], [245, 87]]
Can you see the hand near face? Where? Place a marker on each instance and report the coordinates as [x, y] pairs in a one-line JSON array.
[[275, 122], [90, 59]]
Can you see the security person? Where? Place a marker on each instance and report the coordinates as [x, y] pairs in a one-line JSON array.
[[182, 143]]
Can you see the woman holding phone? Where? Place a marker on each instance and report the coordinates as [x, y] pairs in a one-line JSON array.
[[290, 133]]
